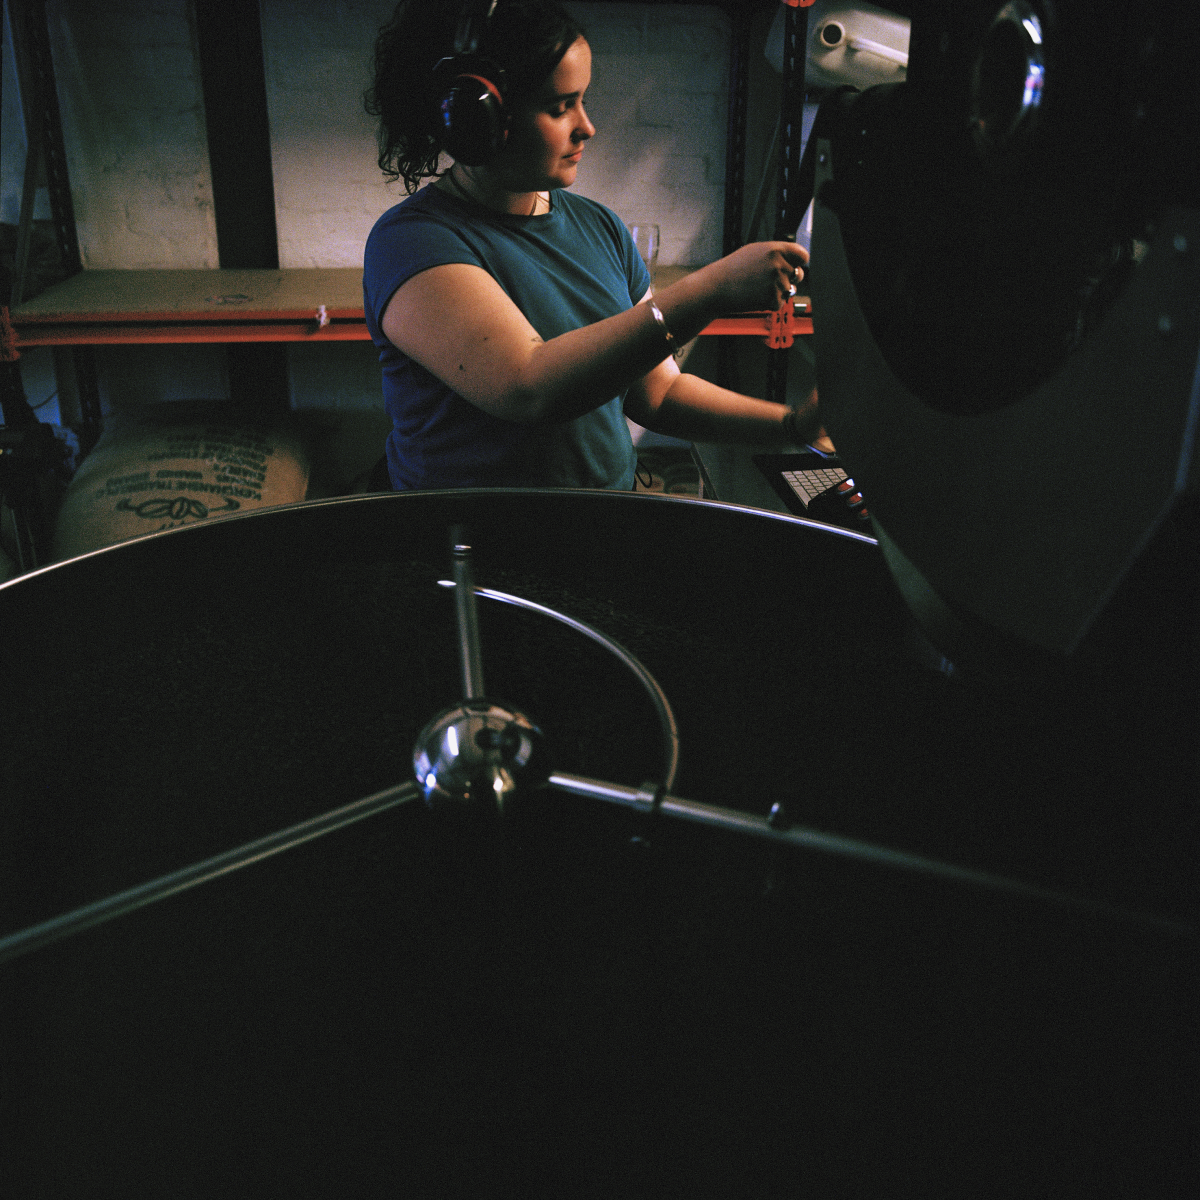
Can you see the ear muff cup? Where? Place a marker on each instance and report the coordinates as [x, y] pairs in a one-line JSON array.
[[472, 122]]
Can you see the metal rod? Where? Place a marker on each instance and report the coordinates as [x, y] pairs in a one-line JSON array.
[[468, 617], [657, 696], [642, 799], [96, 913], [33, 164], [734, 821]]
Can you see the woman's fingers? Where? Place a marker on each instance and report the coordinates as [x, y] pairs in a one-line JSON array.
[[793, 257], [763, 274], [789, 259]]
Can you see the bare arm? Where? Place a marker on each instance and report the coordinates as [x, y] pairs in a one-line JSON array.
[[688, 407], [458, 323]]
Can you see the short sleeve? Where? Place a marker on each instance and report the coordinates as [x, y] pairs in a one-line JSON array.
[[402, 244], [639, 274]]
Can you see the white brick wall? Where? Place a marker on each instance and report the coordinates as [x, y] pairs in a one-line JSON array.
[[133, 124], [328, 189], [658, 100]]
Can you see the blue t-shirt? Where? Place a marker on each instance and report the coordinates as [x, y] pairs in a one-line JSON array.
[[567, 268]]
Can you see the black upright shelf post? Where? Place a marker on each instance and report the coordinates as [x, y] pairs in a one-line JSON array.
[[787, 220], [31, 453], [233, 79], [740, 18], [43, 131]]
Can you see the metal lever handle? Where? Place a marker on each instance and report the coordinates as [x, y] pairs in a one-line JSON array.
[[468, 617], [778, 828], [117, 905]]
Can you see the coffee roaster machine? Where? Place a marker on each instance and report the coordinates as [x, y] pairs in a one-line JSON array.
[[585, 844]]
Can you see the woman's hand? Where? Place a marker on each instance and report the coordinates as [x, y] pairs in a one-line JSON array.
[[761, 275]]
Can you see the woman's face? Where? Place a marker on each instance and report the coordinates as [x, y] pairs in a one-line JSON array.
[[547, 135]]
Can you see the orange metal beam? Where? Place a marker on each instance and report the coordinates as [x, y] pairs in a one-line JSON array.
[[777, 328], [62, 333]]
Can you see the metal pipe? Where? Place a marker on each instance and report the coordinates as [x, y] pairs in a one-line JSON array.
[[775, 829], [643, 799], [658, 697], [100, 911], [470, 653]]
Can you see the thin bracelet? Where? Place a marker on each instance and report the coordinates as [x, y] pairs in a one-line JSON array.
[[661, 322]]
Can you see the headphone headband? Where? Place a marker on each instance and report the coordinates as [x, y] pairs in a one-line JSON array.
[[472, 124], [472, 23]]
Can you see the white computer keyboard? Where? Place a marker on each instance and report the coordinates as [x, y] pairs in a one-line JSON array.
[[808, 485]]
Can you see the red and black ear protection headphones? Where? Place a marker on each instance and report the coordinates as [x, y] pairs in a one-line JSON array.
[[472, 123]]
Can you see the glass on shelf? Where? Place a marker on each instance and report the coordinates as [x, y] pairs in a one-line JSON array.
[[646, 240]]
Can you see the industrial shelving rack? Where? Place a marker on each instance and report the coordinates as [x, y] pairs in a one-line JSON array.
[[248, 303]]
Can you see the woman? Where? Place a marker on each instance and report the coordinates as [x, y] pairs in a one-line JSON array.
[[515, 320]]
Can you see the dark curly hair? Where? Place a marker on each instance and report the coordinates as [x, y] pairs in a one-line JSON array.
[[527, 38]]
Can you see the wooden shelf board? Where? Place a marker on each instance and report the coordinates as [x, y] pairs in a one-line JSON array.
[[194, 294], [23, 320]]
